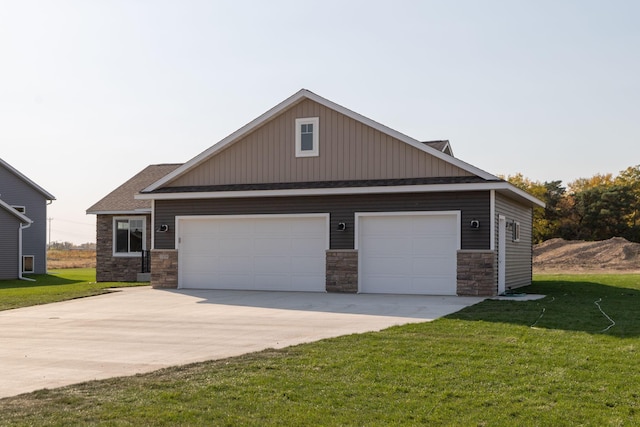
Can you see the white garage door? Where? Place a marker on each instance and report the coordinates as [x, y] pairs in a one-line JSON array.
[[272, 252], [408, 253]]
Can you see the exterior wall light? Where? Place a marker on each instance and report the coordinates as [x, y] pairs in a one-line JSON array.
[[475, 224]]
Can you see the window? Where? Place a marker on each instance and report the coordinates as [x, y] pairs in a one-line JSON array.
[[27, 263], [129, 236], [20, 209], [516, 231], [307, 136]]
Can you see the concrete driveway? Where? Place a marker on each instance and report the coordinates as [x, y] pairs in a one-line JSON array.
[[141, 329]]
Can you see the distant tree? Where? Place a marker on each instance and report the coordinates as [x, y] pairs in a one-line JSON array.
[[540, 221], [595, 208]]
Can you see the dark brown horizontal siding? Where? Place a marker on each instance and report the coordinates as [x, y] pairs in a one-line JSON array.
[[518, 254], [473, 205]]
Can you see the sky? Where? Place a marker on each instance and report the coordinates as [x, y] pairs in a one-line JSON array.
[[93, 91]]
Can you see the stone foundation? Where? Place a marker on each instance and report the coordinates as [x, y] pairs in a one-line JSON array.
[[477, 273], [164, 268], [342, 270]]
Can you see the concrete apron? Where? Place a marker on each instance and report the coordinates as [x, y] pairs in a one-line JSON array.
[[140, 329]]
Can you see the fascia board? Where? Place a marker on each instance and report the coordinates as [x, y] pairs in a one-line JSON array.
[[23, 218], [402, 137], [304, 93], [16, 172], [123, 212], [427, 188], [229, 139]]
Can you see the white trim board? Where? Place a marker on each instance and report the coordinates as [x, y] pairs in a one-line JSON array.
[[426, 188]]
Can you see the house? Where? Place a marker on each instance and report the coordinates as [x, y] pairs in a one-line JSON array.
[[311, 196], [123, 228], [23, 224]]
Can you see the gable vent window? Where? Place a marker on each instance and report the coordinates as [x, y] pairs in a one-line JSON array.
[[21, 209], [307, 137]]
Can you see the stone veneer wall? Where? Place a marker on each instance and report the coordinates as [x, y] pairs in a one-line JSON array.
[[110, 268], [164, 268], [342, 270], [477, 273]]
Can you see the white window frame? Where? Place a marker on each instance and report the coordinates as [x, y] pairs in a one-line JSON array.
[[516, 231], [114, 235], [315, 152], [33, 263]]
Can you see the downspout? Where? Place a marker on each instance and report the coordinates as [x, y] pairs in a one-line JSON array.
[[22, 227]]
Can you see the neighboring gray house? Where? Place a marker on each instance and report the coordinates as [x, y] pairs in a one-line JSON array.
[[23, 224], [123, 228], [311, 196]]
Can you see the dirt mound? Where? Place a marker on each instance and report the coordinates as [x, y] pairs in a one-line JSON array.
[[558, 255]]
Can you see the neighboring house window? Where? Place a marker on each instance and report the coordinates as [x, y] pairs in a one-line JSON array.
[[27, 263], [20, 209], [307, 136], [516, 231], [129, 235]]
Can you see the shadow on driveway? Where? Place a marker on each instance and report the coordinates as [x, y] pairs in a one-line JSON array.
[[424, 307]]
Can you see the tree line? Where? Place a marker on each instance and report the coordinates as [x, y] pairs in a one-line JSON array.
[[595, 208], [65, 246]]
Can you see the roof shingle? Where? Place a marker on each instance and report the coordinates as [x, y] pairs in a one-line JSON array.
[[122, 198]]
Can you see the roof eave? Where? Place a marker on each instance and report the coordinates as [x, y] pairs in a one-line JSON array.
[[501, 186], [23, 177], [23, 218]]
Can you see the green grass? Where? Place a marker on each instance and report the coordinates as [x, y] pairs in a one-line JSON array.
[[546, 362], [57, 286]]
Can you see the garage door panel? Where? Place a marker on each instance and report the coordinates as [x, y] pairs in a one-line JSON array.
[[382, 245], [271, 264], [226, 264], [306, 265], [387, 265], [230, 245], [307, 246], [432, 245], [264, 253], [431, 267], [408, 253]]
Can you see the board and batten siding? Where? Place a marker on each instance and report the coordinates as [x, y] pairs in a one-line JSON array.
[[348, 150], [518, 254], [15, 192], [473, 205], [8, 245]]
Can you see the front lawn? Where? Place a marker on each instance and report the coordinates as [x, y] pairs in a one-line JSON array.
[[56, 286], [568, 359]]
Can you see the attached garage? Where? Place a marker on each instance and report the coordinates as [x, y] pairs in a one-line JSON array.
[[254, 252], [408, 252]]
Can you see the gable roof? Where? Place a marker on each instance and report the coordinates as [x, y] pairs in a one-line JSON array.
[[32, 184], [122, 201], [289, 102], [23, 218]]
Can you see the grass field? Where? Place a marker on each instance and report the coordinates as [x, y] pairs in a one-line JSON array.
[[57, 286], [568, 359], [71, 258]]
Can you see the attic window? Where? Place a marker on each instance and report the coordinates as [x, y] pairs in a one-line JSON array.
[[20, 209], [307, 136]]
